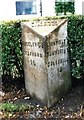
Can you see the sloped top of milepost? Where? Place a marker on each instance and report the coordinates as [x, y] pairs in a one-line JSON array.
[[44, 27]]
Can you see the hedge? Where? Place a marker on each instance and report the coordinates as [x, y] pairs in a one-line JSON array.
[[12, 60], [76, 45], [64, 7], [12, 64]]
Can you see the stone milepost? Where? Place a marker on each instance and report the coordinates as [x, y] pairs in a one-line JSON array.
[[46, 59]]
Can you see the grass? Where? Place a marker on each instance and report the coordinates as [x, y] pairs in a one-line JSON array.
[[11, 107], [10, 110]]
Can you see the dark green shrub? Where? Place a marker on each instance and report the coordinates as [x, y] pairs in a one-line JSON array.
[[12, 63], [64, 7], [76, 45]]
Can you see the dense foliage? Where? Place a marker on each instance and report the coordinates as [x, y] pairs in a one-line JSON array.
[[76, 45], [64, 7], [12, 63], [11, 49]]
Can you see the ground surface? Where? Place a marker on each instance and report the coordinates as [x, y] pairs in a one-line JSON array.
[[68, 107]]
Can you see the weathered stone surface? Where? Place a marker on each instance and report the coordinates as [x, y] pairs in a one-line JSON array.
[[46, 60]]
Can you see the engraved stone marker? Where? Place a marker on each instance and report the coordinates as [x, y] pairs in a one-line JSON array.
[[46, 61]]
